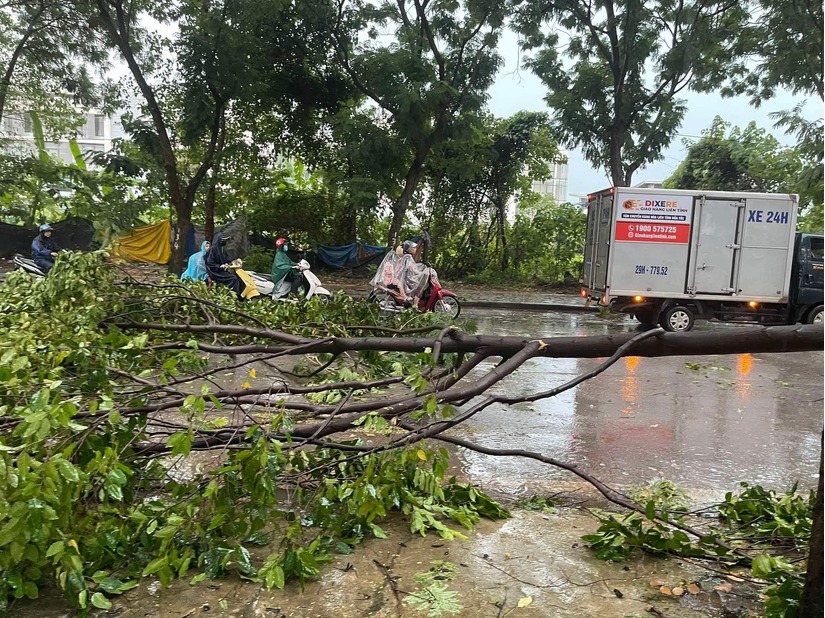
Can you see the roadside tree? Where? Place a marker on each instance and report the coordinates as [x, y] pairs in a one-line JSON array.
[[613, 70]]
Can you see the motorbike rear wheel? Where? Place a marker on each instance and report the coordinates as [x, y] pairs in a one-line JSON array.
[[448, 305], [383, 299]]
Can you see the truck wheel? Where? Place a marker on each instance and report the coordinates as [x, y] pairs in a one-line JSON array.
[[815, 315], [677, 319]]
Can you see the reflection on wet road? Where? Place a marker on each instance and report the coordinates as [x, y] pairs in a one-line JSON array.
[[703, 422]]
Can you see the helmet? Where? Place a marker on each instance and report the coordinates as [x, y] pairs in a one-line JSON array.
[[409, 246], [46, 228], [280, 242]]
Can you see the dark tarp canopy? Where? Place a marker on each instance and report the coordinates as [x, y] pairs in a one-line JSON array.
[[74, 233], [350, 256]]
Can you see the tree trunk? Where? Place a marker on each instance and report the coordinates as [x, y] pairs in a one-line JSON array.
[[812, 594], [209, 205], [617, 175], [501, 213], [118, 33], [399, 209], [5, 84]]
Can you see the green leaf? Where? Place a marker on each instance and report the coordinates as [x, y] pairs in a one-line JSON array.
[[180, 443], [762, 566], [275, 577], [100, 601], [156, 565]]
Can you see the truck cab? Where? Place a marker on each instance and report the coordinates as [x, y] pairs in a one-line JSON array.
[[807, 278]]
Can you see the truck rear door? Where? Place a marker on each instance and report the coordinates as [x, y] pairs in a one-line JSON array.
[[716, 233], [597, 243]]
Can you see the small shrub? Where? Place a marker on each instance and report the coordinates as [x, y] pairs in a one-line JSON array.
[[259, 259]]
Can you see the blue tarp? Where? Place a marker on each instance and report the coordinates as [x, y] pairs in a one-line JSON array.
[[349, 256], [191, 245]]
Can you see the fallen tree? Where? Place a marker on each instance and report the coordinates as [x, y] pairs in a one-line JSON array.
[[110, 389]]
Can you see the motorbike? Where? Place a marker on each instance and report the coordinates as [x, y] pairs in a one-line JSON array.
[[310, 283], [28, 265], [432, 298]]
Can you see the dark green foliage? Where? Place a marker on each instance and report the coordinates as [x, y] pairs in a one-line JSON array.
[[613, 84], [728, 158], [779, 47], [82, 506], [763, 525]]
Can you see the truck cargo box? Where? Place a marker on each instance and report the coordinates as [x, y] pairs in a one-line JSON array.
[[689, 244]]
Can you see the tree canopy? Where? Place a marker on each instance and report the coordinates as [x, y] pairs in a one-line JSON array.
[[614, 70], [728, 158]]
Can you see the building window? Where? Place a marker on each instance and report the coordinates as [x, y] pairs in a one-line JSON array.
[[28, 125], [98, 125]]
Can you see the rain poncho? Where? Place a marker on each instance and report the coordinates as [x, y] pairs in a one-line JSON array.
[[42, 249], [215, 258], [401, 274], [281, 266], [196, 271]]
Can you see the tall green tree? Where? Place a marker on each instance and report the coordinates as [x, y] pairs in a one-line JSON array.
[[473, 181], [614, 68], [186, 102], [436, 65], [729, 158], [46, 51], [779, 47]]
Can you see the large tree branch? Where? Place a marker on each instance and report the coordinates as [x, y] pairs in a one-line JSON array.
[[798, 338]]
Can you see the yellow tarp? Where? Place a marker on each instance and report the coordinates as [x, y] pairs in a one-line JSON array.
[[149, 243]]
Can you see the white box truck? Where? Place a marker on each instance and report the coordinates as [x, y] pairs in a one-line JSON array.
[[670, 257]]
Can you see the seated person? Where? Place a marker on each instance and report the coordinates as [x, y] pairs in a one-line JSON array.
[[222, 270], [286, 279], [196, 271], [44, 249]]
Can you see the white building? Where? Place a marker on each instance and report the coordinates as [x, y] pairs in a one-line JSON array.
[[556, 185], [93, 135]]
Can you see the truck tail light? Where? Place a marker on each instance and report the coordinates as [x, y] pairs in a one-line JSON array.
[[638, 299], [753, 304]]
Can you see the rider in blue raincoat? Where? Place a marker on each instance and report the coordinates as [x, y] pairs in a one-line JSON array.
[[196, 271], [44, 249]]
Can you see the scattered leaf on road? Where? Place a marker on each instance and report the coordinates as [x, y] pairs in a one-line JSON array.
[[724, 587], [525, 601]]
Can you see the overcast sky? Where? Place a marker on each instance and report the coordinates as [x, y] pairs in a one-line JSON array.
[[517, 89]]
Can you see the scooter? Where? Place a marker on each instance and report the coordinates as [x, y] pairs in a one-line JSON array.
[[434, 297], [310, 283], [28, 265]]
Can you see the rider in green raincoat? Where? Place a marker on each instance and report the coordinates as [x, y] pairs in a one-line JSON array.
[[284, 268]]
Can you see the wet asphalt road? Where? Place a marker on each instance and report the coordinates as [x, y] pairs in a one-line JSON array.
[[703, 422]]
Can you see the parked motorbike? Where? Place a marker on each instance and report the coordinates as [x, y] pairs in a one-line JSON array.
[[433, 297], [310, 283], [28, 265]]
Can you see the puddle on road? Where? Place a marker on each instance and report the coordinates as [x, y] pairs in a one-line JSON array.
[[703, 422]]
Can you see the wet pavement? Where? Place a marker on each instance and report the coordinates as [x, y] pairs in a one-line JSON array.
[[531, 566], [703, 422]]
